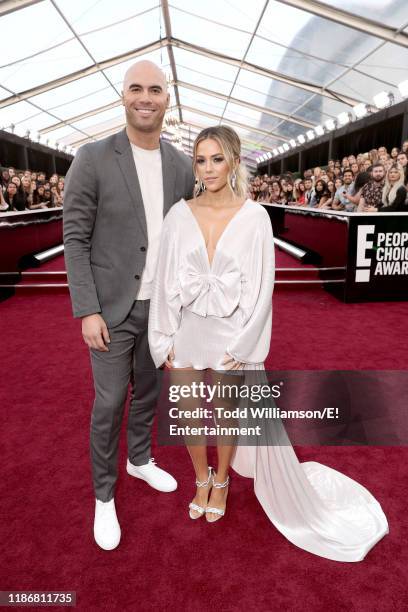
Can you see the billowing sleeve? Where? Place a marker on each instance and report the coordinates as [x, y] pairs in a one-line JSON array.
[[165, 304], [251, 344]]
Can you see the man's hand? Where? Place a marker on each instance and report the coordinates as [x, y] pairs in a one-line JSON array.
[[95, 333], [369, 208]]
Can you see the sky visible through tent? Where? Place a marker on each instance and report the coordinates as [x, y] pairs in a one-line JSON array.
[[273, 70]]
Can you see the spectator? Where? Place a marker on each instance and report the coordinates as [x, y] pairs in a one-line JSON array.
[[355, 169], [57, 200], [39, 200], [354, 197], [5, 179], [320, 194], [27, 190], [373, 156], [263, 195], [317, 174], [341, 200], [48, 197], [371, 193], [299, 193], [290, 198], [17, 181], [308, 191], [394, 193], [394, 153], [338, 182], [331, 187], [14, 198], [402, 160], [275, 197], [3, 204]]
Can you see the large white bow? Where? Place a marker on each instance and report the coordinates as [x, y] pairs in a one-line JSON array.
[[214, 292]]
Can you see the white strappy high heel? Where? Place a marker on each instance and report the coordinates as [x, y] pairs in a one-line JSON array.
[[217, 485], [196, 507]]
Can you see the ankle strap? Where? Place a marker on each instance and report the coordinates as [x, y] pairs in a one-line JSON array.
[[204, 483], [220, 485]]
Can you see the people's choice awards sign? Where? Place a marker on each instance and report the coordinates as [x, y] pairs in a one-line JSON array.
[[390, 251], [377, 258]]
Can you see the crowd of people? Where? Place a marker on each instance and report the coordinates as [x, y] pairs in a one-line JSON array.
[[27, 190], [369, 182], [376, 181]]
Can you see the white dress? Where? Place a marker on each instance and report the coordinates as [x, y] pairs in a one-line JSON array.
[[204, 311]]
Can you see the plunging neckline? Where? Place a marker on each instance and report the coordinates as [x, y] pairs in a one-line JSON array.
[[200, 231]]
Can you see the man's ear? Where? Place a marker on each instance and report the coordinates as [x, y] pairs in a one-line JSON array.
[[121, 97]]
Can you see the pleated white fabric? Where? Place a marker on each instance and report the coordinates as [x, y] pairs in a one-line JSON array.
[[204, 311]]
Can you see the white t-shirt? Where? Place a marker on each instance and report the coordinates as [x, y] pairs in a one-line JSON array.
[[148, 164]]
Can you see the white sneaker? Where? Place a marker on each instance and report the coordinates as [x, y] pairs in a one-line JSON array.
[[153, 475], [106, 525]]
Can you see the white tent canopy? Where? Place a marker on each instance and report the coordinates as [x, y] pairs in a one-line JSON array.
[[270, 69]]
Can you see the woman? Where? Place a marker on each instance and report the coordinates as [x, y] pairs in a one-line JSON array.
[[394, 193], [338, 183], [39, 199], [394, 153], [264, 193], [289, 197], [4, 179], [300, 193], [320, 195], [211, 312], [355, 169], [275, 194], [14, 198]]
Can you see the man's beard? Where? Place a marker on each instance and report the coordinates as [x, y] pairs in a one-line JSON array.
[[379, 180]]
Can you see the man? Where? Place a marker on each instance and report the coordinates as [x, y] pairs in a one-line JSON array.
[[371, 194], [402, 160], [116, 193], [309, 191], [341, 201]]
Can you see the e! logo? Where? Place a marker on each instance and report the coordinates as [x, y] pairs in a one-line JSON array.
[[363, 275]]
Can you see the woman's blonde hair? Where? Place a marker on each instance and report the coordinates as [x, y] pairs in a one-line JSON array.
[[390, 191], [230, 145]]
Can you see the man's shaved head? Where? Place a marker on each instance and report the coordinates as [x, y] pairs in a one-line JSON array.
[[144, 70], [145, 98]]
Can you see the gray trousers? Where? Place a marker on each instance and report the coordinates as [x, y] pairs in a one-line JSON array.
[[128, 360]]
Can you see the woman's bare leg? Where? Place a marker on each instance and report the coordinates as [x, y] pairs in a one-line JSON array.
[[225, 444], [196, 447]]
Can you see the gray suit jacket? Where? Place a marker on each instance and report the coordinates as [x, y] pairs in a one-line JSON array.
[[105, 232]]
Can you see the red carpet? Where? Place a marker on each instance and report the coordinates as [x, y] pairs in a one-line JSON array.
[[165, 560]]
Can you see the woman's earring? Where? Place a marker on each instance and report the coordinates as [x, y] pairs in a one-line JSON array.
[[233, 180], [200, 184]]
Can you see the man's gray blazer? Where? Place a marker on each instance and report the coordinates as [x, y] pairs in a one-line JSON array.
[[105, 232]]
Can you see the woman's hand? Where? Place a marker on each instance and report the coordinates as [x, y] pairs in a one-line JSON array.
[[169, 361], [231, 364]]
